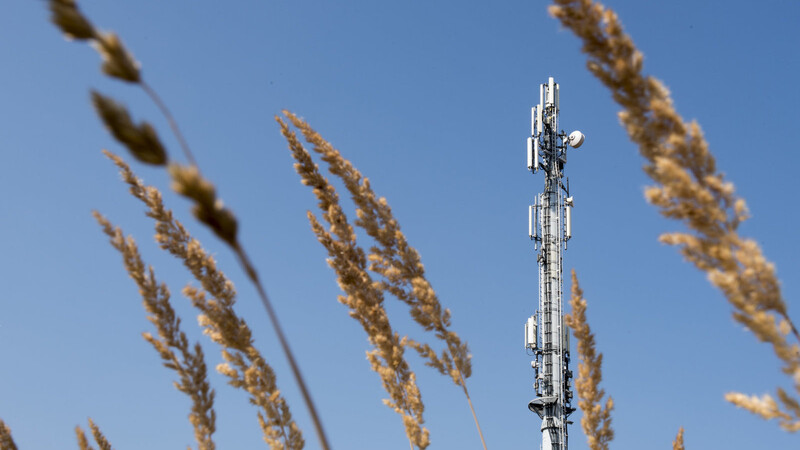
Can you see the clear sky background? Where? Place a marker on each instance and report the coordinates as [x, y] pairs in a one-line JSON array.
[[431, 100]]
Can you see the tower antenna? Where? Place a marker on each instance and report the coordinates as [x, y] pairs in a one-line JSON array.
[[550, 227]]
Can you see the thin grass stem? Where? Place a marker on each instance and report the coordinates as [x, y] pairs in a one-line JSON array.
[[791, 324], [472, 408], [172, 123], [273, 317]]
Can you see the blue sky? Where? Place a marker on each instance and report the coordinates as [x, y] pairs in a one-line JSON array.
[[431, 101]]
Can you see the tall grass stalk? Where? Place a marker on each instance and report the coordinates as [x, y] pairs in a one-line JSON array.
[[83, 443], [245, 367], [399, 266], [190, 366], [363, 296], [689, 188], [677, 444], [144, 144], [6, 441], [99, 438], [596, 420]]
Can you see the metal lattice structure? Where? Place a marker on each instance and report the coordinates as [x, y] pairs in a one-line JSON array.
[[550, 227]]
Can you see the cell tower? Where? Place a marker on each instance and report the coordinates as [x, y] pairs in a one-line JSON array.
[[550, 227]]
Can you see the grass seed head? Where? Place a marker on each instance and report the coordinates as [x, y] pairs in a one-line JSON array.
[[6, 441], [67, 17], [141, 140], [189, 182], [677, 444], [117, 61], [689, 188]]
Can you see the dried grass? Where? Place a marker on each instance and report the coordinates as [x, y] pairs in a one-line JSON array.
[[98, 436], [363, 296], [67, 17], [596, 420], [117, 61], [677, 444], [101, 440], [171, 341], [245, 367], [188, 181], [6, 441], [83, 443], [689, 188], [397, 263], [141, 140]]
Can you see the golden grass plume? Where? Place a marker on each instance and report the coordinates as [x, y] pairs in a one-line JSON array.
[[6, 441], [117, 61], [190, 365], [245, 367], [67, 17], [141, 139], [399, 265], [99, 438], [596, 420], [363, 296], [208, 209], [83, 443], [689, 188], [187, 180], [395, 260], [677, 444]]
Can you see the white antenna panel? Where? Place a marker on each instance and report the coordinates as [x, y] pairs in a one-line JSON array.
[[533, 217], [530, 333], [539, 119], [550, 92], [568, 221], [541, 100], [530, 221], [557, 96], [530, 153]]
